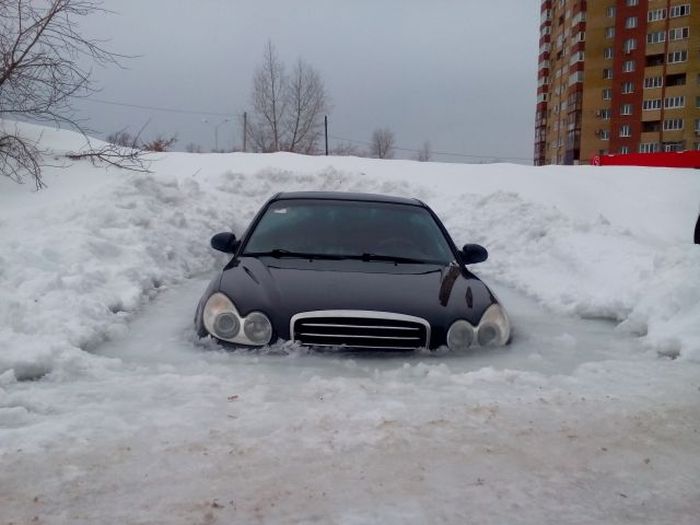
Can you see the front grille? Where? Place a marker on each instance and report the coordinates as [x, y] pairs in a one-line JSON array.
[[360, 329]]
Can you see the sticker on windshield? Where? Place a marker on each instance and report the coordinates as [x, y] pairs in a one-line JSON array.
[[280, 210]]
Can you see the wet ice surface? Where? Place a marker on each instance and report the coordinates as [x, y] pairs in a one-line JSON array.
[[542, 342], [566, 422]]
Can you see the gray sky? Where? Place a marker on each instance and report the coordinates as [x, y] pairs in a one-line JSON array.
[[459, 73]]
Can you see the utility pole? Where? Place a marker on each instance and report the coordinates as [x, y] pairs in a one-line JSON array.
[[245, 130], [325, 123]]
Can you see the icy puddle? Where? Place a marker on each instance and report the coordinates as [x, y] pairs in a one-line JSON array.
[[573, 423], [542, 342]]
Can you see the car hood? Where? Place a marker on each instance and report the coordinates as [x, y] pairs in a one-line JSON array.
[[284, 287]]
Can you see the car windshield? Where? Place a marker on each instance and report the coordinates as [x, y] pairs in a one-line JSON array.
[[371, 230]]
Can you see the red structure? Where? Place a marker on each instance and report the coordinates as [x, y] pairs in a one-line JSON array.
[[681, 159]]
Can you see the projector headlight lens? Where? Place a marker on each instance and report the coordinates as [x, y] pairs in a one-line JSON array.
[[460, 336], [226, 325], [257, 328], [494, 327]]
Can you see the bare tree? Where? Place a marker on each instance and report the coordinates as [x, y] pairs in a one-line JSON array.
[[425, 154], [269, 102], [44, 64], [288, 110], [382, 144], [306, 105]]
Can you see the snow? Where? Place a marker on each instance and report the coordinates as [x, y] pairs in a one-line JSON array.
[[111, 411]]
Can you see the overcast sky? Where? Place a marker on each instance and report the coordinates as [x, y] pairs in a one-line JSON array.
[[459, 73]]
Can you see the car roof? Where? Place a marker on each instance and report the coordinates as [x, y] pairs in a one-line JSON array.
[[345, 196]]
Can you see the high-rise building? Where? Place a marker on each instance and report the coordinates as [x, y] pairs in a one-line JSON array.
[[617, 76]]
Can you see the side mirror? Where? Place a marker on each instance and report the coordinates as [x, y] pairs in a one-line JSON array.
[[474, 253], [225, 242]]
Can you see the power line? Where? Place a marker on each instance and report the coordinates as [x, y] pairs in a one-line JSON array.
[[166, 110], [352, 141]]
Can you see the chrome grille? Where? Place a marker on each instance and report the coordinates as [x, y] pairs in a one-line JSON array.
[[360, 329]]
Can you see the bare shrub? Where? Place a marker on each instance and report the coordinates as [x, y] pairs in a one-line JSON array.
[[159, 144], [382, 144]]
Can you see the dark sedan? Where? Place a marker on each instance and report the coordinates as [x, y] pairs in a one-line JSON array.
[[345, 270]]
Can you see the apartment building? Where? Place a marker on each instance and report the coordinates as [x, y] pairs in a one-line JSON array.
[[617, 76]]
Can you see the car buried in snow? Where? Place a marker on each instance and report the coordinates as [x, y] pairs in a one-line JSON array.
[[339, 270]]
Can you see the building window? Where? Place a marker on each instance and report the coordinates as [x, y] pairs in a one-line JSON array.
[[625, 130], [626, 109], [674, 102], [608, 53], [628, 66], [609, 32], [679, 33], [653, 82], [627, 88], [674, 146], [580, 17], [652, 104], [649, 147], [654, 60], [656, 37], [631, 2], [631, 22], [607, 73], [697, 102], [678, 56], [604, 113], [576, 57], [604, 134], [656, 14], [679, 10], [673, 124], [575, 78], [624, 150], [610, 11], [630, 45], [697, 125], [607, 94]]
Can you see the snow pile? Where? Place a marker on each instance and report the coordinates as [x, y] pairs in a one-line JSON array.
[[70, 274], [82, 255], [590, 269]]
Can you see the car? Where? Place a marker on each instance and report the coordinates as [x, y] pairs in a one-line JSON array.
[[336, 270]]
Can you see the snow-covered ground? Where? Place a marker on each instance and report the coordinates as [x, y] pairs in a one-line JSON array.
[[112, 412]]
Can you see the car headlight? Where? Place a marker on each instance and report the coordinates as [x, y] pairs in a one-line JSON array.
[[257, 328], [494, 327], [222, 320], [460, 336]]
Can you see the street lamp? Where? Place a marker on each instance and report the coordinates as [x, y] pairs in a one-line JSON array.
[[216, 130]]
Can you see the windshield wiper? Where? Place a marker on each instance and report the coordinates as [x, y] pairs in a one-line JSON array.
[[390, 258], [281, 252]]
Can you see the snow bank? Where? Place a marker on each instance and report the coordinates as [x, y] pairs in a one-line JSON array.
[[83, 255]]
